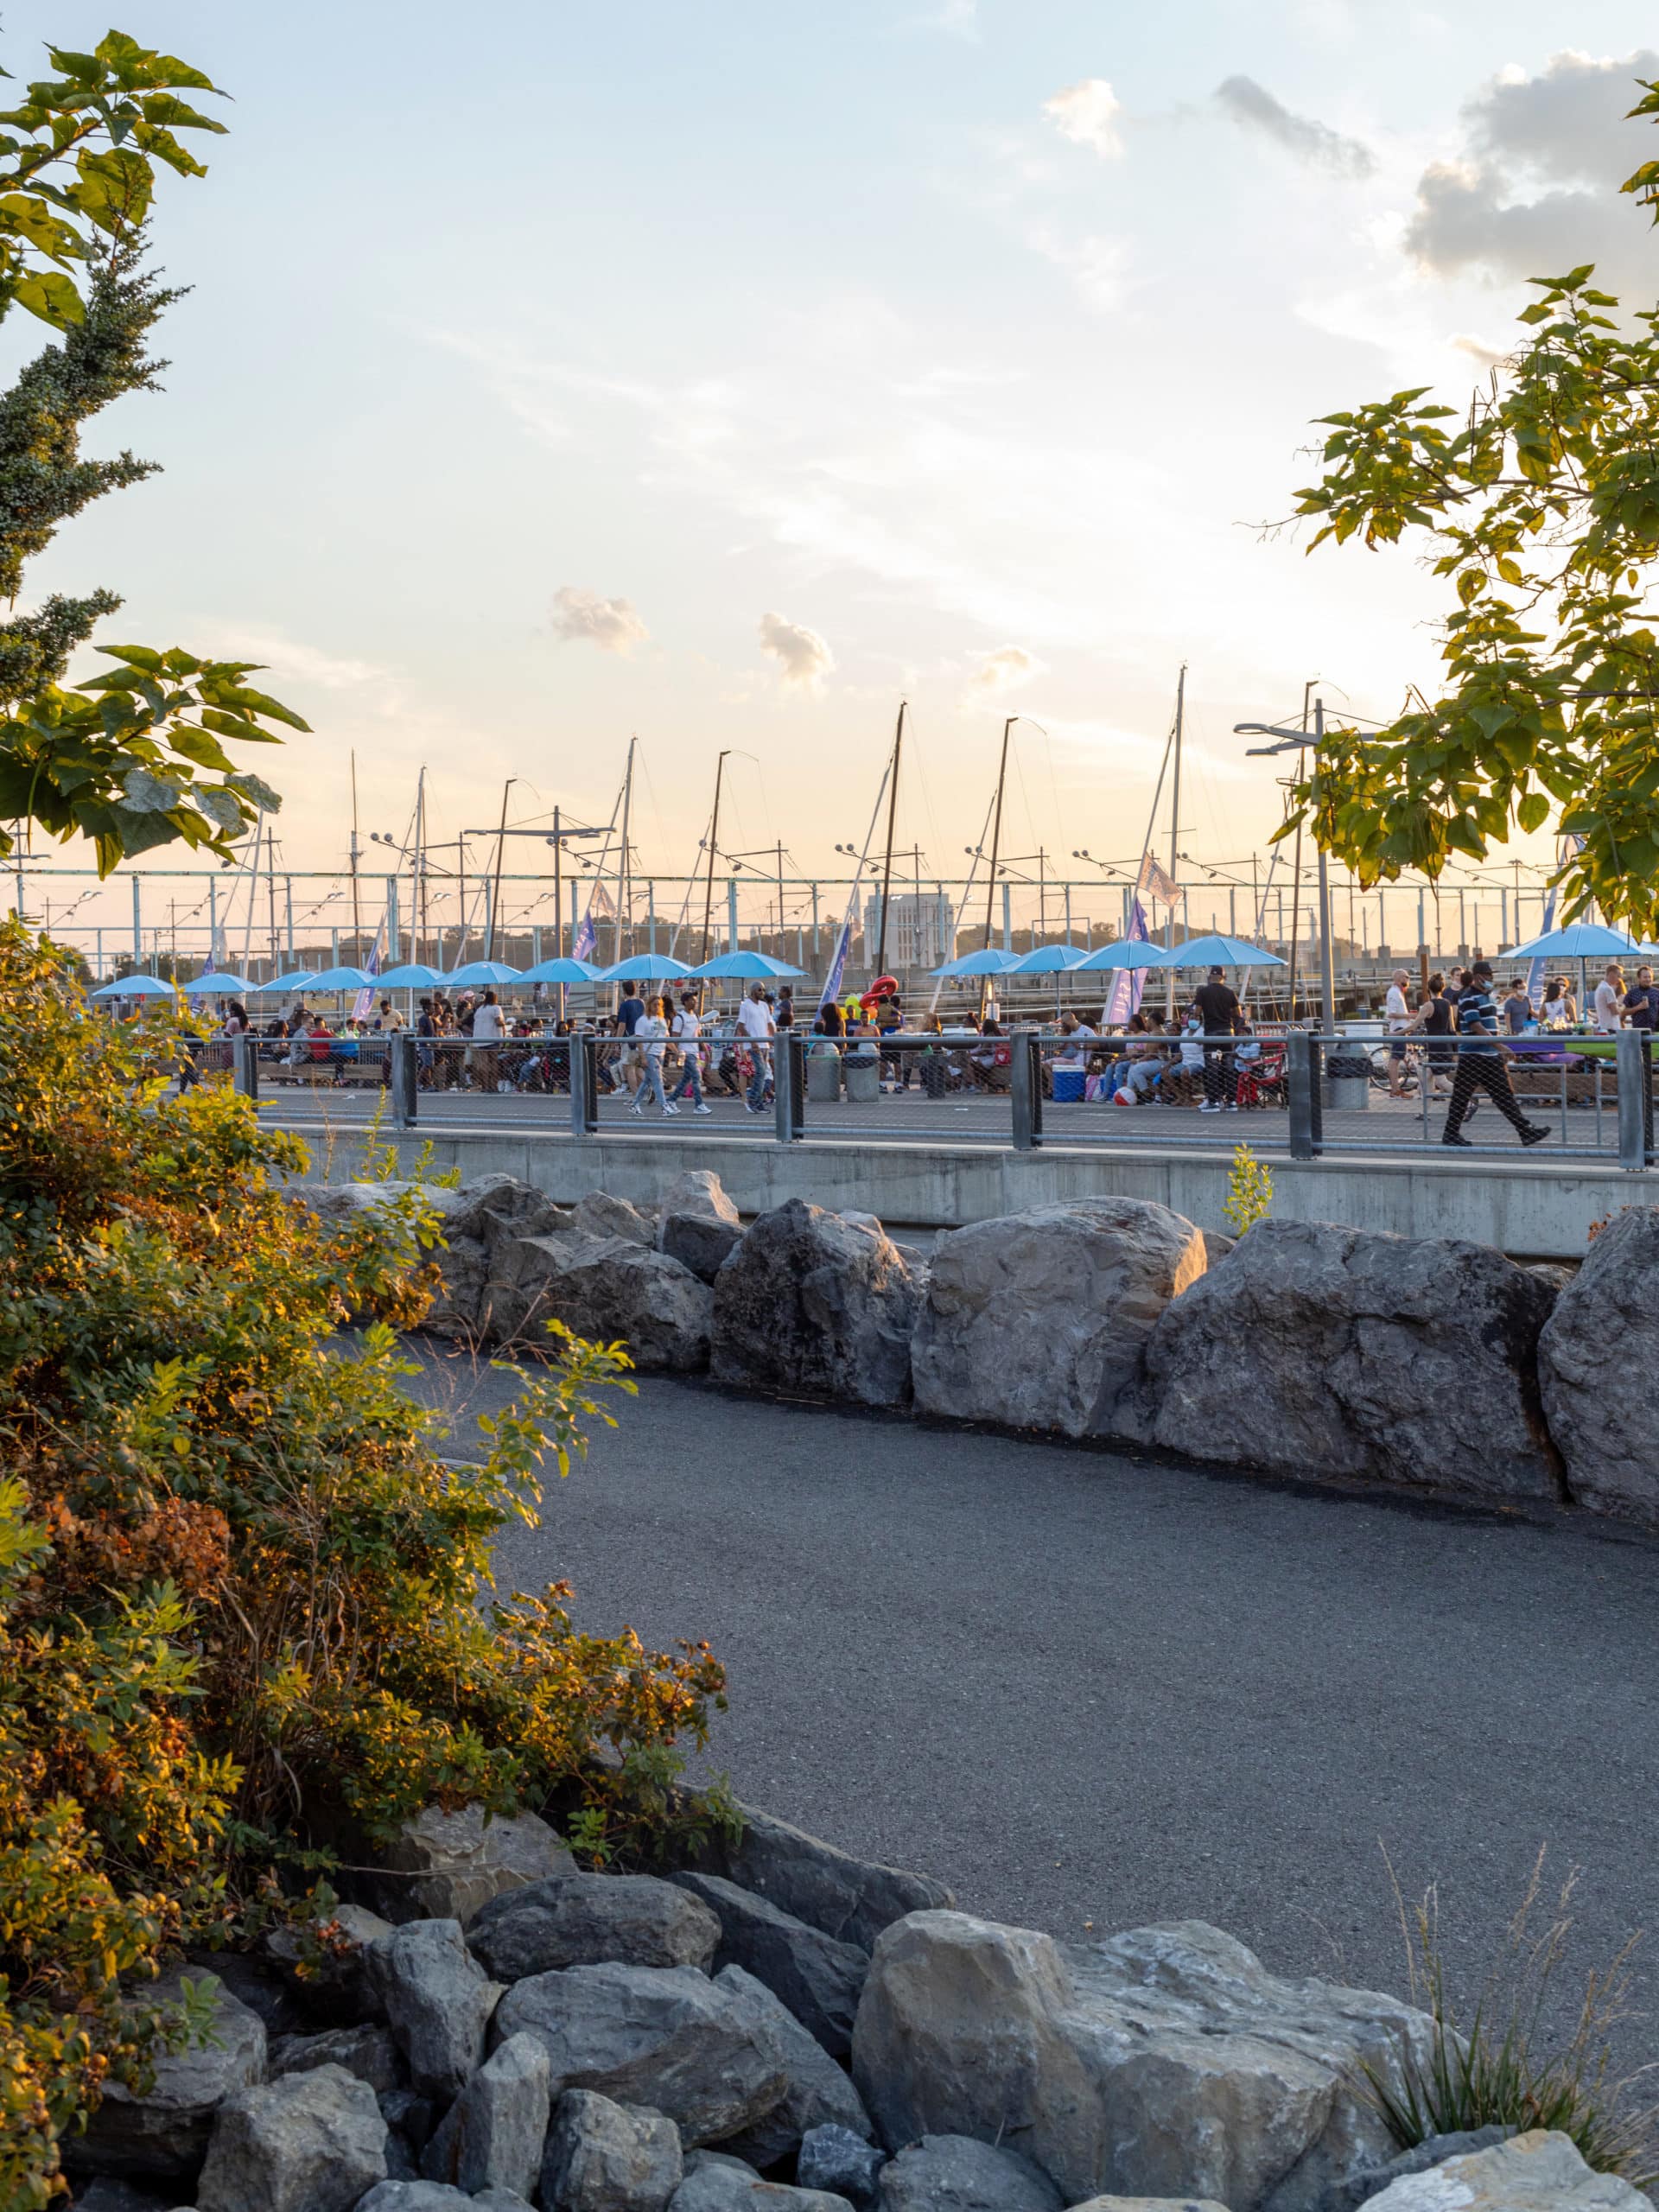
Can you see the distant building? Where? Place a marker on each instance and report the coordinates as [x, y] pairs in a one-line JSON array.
[[921, 929]]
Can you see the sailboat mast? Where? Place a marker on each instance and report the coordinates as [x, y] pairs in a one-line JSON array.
[[495, 888], [356, 920], [886, 864], [1175, 827], [622, 857], [714, 840]]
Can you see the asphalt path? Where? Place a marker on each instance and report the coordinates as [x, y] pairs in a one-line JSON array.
[[1092, 1690]]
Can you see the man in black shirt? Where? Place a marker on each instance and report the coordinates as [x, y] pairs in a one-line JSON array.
[[1480, 1063], [1219, 1009], [1641, 1000]]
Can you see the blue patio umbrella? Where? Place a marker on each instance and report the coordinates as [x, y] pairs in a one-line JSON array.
[[747, 967], [413, 976], [1217, 952], [645, 968], [333, 979], [483, 971], [136, 987], [1049, 960], [219, 982], [562, 970], [1126, 952], [294, 979], [990, 962], [1578, 941]]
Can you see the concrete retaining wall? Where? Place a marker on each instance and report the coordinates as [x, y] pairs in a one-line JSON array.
[[1525, 1208]]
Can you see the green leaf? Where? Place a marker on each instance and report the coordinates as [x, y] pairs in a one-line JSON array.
[[51, 297]]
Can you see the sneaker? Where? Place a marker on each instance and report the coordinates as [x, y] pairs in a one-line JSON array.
[[636, 1110], [1209, 1107], [671, 1109], [702, 1110], [1464, 1142], [1533, 1133], [1232, 1106]]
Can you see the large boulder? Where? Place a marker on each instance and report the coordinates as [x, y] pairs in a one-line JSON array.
[[603, 1287], [1541, 2171], [322, 1963], [1596, 1362], [852, 1899], [719, 2184], [603, 2157], [1040, 1320], [492, 2136], [1165, 2062], [957, 2173], [586, 1920], [313, 2142], [448, 1866], [663, 2036], [817, 2093], [835, 2159], [818, 1977], [473, 1221], [165, 2131], [811, 1304], [438, 2000], [369, 2054], [600, 1215], [1315, 1350], [697, 1224]]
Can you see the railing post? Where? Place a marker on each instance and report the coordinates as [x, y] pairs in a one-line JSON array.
[[584, 1085], [244, 1065], [1026, 1091], [788, 1087], [404, 1086], [1634, 1100], [1302, 1080]]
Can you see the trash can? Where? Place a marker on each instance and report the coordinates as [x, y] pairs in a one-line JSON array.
[[1069, 1086], [863, 1074], [1347, 1083], [823, 1077]]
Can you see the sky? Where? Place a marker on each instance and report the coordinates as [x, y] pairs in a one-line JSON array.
[[721, 373]]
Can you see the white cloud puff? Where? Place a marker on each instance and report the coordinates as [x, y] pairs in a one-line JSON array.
[[1005, 670], [1087, 113], [804, 656], [614, 625]]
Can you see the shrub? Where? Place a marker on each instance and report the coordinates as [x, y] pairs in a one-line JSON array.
[[1250, 1191], [244, 1606]]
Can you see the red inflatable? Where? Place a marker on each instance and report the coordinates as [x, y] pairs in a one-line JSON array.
[[883, 988]]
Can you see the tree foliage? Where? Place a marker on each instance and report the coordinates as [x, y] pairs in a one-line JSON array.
[[1540, 505], [246, 1616], [134, 757]]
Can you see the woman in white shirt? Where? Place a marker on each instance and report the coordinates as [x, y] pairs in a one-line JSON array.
[[687, 1029], [650, 1037]]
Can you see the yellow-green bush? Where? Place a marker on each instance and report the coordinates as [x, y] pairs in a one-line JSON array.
[[240, 1614]]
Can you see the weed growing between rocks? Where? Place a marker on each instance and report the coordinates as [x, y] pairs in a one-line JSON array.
[[245, 1619], [1499, 2065], [1250, 1191]]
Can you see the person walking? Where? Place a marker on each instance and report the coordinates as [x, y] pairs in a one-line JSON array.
[[688, 1033], [1399, 1020], [489, 1026], [650, 1036], [755, 1027], [1439, 1019], [1480, 1063], [1217, 1005]]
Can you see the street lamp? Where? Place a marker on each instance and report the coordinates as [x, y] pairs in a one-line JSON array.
[[1296, 740]]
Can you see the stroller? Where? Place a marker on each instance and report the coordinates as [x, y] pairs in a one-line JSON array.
[[1263, 1082]]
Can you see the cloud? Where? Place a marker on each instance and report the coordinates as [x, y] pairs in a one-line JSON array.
[[613, 625], [959, 17], [1097, 266], [287, 658], [1005, 670], [1087, 113], [805, 656], [1302, 135], [1534, 188]]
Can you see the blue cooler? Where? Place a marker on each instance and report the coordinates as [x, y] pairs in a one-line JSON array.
[[1068, 1086]]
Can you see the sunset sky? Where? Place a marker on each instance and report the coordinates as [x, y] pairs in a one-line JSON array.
[[721, 373]]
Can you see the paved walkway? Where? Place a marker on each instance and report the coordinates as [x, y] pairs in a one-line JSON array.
[[1089, 1689]]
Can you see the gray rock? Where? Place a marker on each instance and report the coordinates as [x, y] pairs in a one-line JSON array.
[[1216, 1246], [1289, 1356], [501, 2200], [1040, 1320], [817, 1976], [492, 2136], [402, 2164], [603, 1288], [663, 2036], [853, 1899], [1541, 2171], [1166, 2063], [1434, 2151], [586, 1920], [311, 2143], [1150, 2204], [817, 2090], [1595, 1364], [600, 1215], [445, 1865], [728, 2185], [322, 1964], [955, 2173], [109, 2193], [837, 2159], [808, 1304], [408, 2114], [165, 2132], [257, 1983], [415, 2196], [697, 1224], [368, 2054], [438, 2002], [604, 2157], [462, 1259]]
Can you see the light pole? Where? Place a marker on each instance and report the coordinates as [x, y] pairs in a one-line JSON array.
[[1296, 740]]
